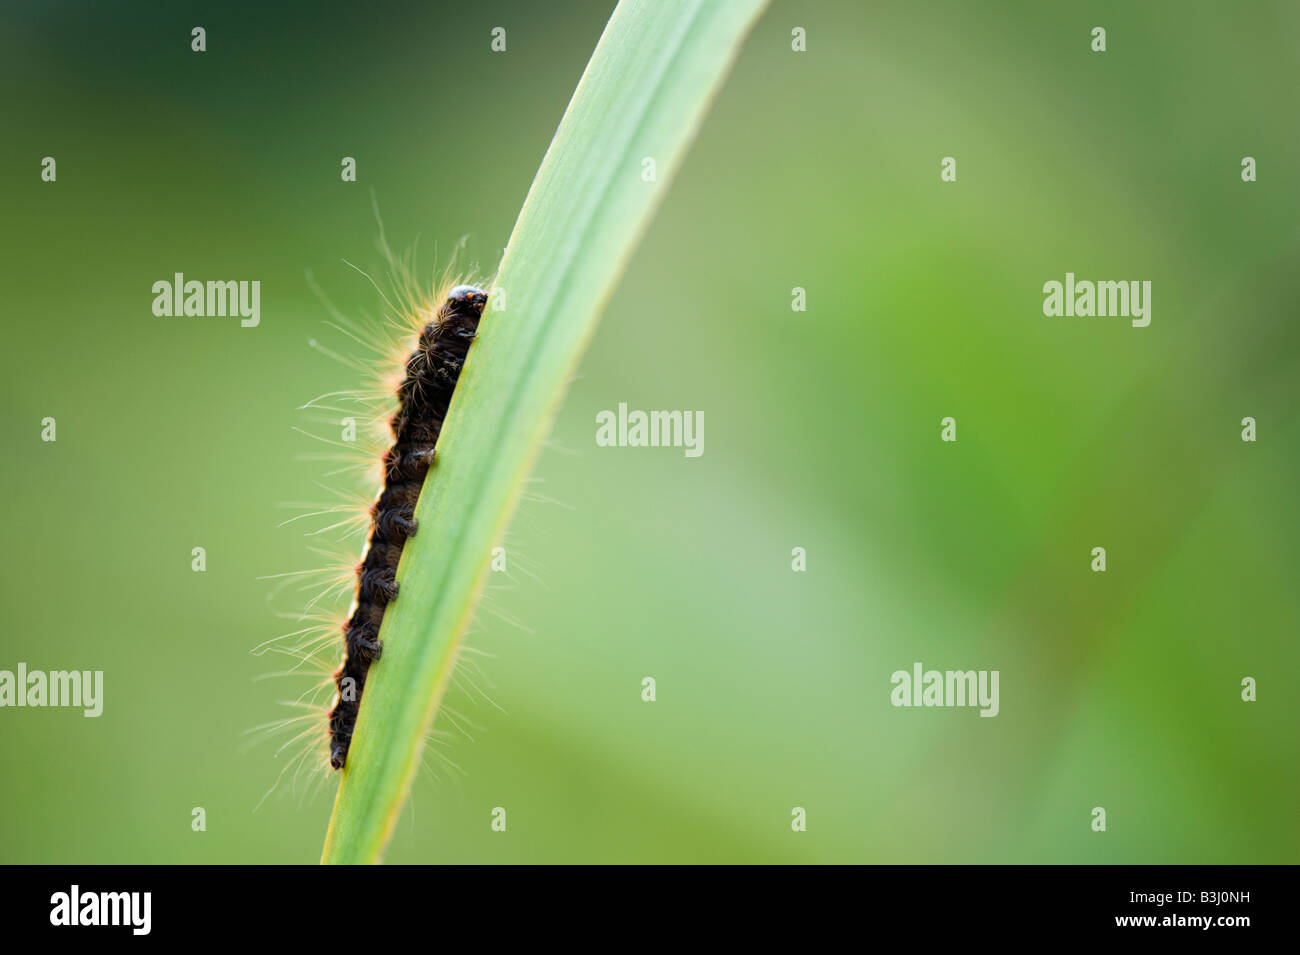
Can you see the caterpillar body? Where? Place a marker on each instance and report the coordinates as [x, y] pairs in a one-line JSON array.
[[423, 397]]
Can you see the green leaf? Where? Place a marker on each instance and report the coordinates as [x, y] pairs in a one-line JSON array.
[[643, 95]]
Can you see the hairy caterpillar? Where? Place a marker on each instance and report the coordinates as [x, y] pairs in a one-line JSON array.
[[390, 425], [423, 396]]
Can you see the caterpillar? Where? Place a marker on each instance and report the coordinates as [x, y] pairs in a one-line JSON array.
[[423, 397]]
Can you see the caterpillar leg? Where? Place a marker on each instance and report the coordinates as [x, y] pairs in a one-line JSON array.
[[396, 523], [364, 644], [338, 755], [411, 466], [378, 586]]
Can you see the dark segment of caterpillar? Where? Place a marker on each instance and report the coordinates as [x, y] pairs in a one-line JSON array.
[[423, 398]]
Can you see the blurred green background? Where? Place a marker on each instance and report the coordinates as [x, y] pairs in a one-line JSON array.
[[816, 169]]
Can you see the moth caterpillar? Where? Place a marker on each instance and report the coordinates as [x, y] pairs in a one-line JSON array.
[[423, 397]]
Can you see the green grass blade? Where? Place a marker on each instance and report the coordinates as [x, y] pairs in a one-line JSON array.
[[644, 94]]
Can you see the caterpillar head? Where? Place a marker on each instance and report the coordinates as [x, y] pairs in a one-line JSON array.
[[466, 300], [457, 317]]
